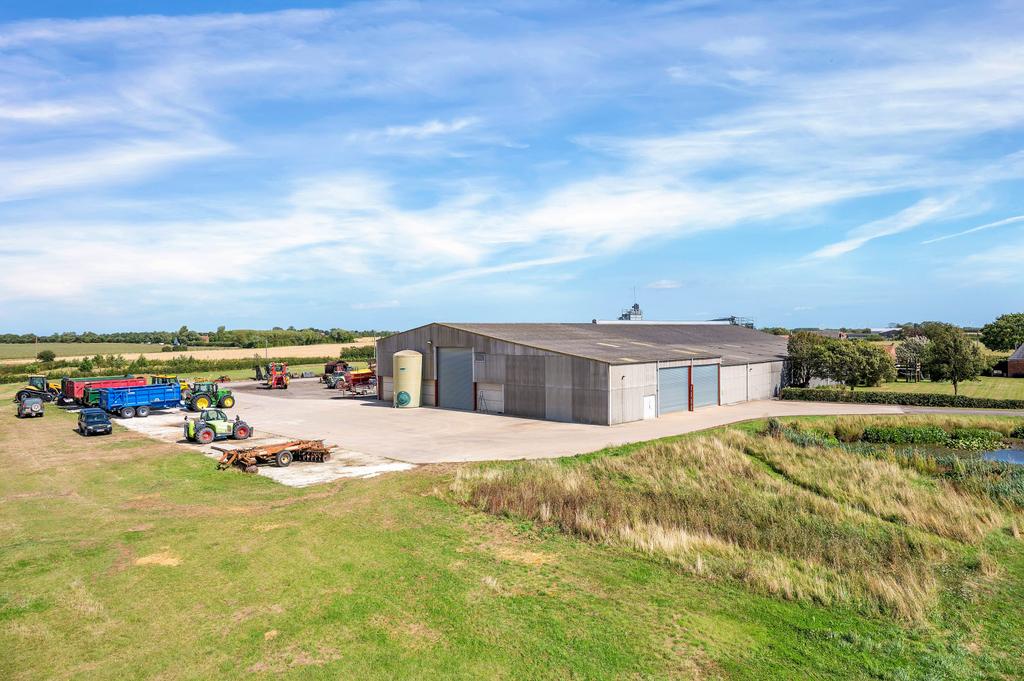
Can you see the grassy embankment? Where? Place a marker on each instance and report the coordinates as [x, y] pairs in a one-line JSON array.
[[721, 555]]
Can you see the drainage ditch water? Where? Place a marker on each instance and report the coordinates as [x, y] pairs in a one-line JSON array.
[[1005, 456]]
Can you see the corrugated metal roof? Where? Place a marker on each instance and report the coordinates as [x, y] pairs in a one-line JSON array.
[[1019, 354], [640, 343]]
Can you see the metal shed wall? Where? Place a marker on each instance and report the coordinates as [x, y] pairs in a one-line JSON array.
[[627, 386], [746, 382], [532, 383]]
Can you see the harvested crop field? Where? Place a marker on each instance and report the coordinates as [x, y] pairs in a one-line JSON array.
[[132, 350]]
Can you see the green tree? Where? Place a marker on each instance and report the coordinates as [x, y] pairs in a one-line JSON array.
[[843, 363], [46, 356], [877, 365], [808, 357], [1005, 333], [85, 365], [952, 356]]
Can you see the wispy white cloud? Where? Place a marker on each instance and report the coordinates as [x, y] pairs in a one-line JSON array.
[[665, 284], [429, 128], [979, 228], [908, 218], [126, 161]]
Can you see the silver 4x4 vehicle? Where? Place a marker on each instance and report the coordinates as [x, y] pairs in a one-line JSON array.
[[30, 406]]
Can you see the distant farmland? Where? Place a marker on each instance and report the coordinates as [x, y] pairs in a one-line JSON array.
[[21, 353], [30, 350]]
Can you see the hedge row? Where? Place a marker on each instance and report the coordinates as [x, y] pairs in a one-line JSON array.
[[905, 399], [905, 435]]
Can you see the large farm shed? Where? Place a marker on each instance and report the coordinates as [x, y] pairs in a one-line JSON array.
[[600, 373]]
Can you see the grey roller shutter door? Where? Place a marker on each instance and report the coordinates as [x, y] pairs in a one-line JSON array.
[[455, 378], [705, 385], [673, 389]]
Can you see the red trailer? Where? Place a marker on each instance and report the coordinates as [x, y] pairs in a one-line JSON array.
[[73, 389]]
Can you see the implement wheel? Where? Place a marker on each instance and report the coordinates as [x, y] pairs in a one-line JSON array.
[[142, 412], [127, 412], [283, 459], [227, 402]]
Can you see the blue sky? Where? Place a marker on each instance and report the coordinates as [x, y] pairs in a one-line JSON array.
[[386, 164]]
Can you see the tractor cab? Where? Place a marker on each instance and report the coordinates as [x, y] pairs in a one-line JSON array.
[[205, 394], [37, 386], [214, 424], [213, 415]]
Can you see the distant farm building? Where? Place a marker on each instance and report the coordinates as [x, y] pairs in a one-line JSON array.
[[1015, 365]]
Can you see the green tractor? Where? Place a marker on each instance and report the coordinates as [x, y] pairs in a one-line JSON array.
[[38, 386], [209, 394], [213, 424]]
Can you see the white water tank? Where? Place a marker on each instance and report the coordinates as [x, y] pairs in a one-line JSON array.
[[408, 376]]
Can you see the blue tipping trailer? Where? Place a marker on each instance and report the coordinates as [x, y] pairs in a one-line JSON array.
[[139, 400]]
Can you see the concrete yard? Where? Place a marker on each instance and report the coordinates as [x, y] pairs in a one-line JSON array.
[[344, 463], [371, 437], [427, 435]]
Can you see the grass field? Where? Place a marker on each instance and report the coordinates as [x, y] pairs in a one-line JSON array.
[[121, 557], [27, 352], [987, 386]]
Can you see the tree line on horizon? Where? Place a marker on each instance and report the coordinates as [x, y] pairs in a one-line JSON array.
[[1004, 334], [221, 337]]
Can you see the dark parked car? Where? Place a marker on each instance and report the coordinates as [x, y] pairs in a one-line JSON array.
[[94, 422], [30, 406]]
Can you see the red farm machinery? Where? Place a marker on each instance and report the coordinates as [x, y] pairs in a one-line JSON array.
[[277, 375]]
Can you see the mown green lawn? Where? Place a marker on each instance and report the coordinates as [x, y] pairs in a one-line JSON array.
[[121, 557], [987, 386]]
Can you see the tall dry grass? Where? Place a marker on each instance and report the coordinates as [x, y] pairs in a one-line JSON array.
[[882, 488], [708, 506]]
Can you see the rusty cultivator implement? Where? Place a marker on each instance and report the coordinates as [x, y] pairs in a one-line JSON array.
[[280, 455]]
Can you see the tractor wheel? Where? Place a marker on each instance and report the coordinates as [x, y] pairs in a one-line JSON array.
[[227, 402], [142, 412], [205, 436], [282, 459], [201, 402], [127, 412], [242, 432]]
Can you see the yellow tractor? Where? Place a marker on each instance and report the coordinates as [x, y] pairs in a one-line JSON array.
[[38, 386]]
